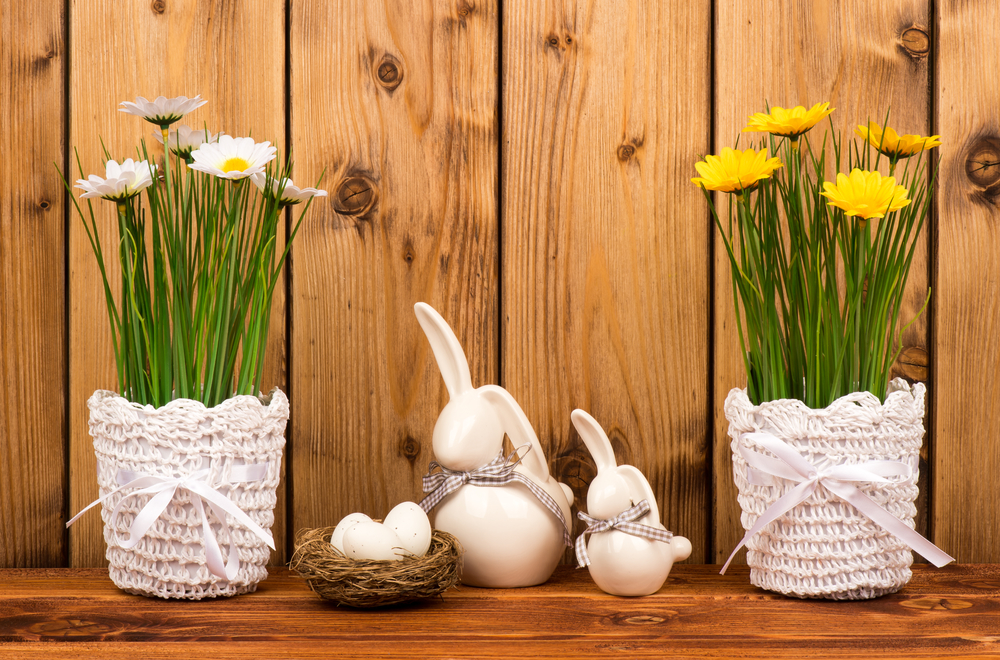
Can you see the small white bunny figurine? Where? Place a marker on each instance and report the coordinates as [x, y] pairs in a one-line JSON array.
[[621, 563], [510, 538]]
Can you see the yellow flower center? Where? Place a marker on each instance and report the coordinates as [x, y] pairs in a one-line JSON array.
[[235, 164]]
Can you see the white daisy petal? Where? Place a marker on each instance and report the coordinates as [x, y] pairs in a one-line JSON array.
[[162, 111], [183, 139], [290, 193], [232, 158], [121, 182]]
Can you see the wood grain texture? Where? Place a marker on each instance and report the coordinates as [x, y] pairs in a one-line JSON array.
[[952, 611], [231, 54], [605, 269], [397, 101], [967, 457], [32, 285], [863, 58]]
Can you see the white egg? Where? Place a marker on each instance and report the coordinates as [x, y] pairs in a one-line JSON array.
[[372, 540], [337, 540], [412, 527]]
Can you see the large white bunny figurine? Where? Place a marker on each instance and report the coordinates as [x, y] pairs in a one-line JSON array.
[[624, 563], [511, 539]]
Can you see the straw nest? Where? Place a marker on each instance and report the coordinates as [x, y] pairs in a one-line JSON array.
[[366, 583]]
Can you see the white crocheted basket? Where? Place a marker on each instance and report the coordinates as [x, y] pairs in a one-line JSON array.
[[177, 440], [823, 547]]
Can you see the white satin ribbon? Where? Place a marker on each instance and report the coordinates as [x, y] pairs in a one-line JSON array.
[[792, 466], [163, 489]]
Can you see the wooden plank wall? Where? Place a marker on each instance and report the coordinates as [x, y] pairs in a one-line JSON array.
[[524, 167], [32, 300]]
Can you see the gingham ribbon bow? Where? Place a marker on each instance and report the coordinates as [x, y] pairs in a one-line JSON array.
[[162, 490], [792, 466], [498, 472], [623, 522]]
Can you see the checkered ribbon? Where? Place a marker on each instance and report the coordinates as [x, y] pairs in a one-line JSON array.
[[623, 522], [499, 472]]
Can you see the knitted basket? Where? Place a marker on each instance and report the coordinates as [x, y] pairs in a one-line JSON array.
[[177, 440], [824, 547]]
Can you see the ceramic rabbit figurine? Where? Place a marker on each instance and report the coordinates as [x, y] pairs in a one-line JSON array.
[[510, 538], [621, 563]]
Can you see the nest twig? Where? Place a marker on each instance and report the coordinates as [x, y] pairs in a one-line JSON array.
[[368, 583]]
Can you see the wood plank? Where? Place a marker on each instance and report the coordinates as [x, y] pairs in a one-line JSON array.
[[397, 101], [233, 55], [32, 285], [698, 613], [863, 58], [967, 457], [605, 277]]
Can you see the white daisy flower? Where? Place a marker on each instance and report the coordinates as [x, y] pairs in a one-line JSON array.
[[183, 139], [232, 158], [162, 111], [290, 193], [121, 181]]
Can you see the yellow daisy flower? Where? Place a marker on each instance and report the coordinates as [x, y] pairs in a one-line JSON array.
[[788, 123], [735, 171], [894, 145], [865, 194]]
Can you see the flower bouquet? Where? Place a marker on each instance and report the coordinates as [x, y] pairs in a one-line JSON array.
[[825, 448], [188, 449]]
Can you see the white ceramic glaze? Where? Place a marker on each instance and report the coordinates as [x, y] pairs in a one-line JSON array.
[[510, 538], [620, 563]]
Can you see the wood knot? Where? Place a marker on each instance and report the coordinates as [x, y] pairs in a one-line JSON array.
[[552, 40], [644, 620], [388, 73], [465, 8], [641, 619], [625, 152], [159, 6], [936, 604], [983, 165], [44, 205], [408, 252], [355, 195], [69, 628], [912, 364], [409, 448], [916, 42]]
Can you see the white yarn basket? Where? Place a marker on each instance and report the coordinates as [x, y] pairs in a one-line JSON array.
[[178, 439], [824, 547]]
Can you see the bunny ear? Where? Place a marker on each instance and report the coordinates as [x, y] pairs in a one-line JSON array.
[[518, 428], [595, 438], [640, 489], [447, 351]]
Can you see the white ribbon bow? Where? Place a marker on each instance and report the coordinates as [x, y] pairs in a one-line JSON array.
[[163, 489], [793, 466]]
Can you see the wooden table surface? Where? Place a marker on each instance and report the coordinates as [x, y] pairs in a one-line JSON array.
[[61, 613]]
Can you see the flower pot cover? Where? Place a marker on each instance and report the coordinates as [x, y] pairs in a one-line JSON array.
[[243, 435], [824, 547]]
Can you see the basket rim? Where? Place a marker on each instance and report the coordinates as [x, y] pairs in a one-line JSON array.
[[107, 398], [901, 395]]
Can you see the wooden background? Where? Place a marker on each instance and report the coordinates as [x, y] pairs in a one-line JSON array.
[[523, 166]]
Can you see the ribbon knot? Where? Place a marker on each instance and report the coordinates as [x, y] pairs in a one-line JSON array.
[[498, 472], [623, 522], [162, 490], [838, 479]]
